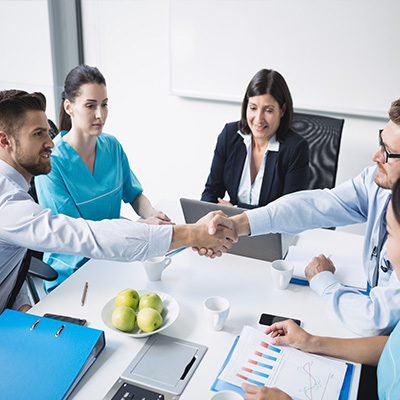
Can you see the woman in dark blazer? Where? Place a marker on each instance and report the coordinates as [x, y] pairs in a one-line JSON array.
[[259, 158]]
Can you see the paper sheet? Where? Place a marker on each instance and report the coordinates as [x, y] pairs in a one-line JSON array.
[[303, 376], [349, 269]]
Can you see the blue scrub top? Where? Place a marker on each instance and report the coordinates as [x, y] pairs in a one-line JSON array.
[[71, 189], [388, 372]]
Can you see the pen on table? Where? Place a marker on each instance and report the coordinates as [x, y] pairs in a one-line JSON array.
[[173, 252], [85, 288]]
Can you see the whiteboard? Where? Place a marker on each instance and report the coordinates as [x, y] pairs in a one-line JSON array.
[[337, 56]]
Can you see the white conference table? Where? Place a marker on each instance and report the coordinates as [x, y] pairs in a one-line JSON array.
[[190, 279]]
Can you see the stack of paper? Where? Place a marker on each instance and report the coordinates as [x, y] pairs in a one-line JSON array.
[[349, 269]]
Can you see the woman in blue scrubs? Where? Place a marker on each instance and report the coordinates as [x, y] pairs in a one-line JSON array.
[[383, 351], [90, 171]]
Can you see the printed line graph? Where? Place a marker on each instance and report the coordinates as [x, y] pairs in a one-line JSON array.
[[308, 391], [315, 387]]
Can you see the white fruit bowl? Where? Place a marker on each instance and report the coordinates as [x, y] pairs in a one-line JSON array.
[[169, 314]]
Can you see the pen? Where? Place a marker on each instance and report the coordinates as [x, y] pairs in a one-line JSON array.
[[374, 252], [173, 252], [85, 288]]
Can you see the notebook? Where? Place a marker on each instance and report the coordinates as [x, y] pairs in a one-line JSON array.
[[267, 247], [43, 358]]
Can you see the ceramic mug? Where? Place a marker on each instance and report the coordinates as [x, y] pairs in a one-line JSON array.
[[155, 266], [282, 272], [216, 310], [226, 395]]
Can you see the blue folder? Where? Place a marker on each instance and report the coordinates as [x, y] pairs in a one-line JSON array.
[[43, 358], [222, 385]]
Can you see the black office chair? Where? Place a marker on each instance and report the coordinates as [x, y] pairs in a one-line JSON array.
[[323, 135], [37, 267]]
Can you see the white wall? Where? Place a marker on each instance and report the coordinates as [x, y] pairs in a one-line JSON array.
[[170, 140], [318, 46], [25, 48]]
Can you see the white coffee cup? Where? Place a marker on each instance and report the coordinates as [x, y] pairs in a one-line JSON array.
[[282, 272], [216, 310], [155, 266], [226, 395]]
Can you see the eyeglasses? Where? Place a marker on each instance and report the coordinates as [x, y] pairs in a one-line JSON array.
[[384, 152]]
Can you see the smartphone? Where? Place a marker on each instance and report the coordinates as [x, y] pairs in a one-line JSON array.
[[64, 318], [269, 319]]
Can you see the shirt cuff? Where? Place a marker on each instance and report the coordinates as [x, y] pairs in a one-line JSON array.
[[258, 221], [160, 240], [320, 282]]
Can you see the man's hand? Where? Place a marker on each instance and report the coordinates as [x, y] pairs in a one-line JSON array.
[[221, 221], [317, 265], [239, 224], [221, 239], [256, 392], [197, 236]]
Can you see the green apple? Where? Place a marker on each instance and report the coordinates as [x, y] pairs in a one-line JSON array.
[[149, 319], [123, 318], [127, 297], [151, 300]]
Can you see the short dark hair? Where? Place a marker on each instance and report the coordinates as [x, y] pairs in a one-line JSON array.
[[394, 112], [396, 200], [78, 76], [14, 104], [268, 81]]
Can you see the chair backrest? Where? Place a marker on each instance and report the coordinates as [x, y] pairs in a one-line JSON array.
[[53, 132], [323, 135]]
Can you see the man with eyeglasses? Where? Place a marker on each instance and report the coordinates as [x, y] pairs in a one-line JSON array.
[[362, 199]]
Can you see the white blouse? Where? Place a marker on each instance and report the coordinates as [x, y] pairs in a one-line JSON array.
[[250, 193]]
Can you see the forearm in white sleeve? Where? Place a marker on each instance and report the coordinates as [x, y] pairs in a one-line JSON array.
[[118, 239], [310, 209], [376, 314]]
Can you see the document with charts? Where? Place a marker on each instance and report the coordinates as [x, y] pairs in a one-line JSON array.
[[301, 375]]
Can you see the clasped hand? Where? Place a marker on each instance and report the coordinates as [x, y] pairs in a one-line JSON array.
[[216, 240]]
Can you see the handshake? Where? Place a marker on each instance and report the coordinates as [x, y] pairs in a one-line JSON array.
[[211, 235]]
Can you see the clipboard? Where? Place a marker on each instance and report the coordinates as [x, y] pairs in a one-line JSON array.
[[43, 358]]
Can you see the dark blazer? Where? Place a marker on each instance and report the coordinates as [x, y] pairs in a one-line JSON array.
[[286, 171]]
